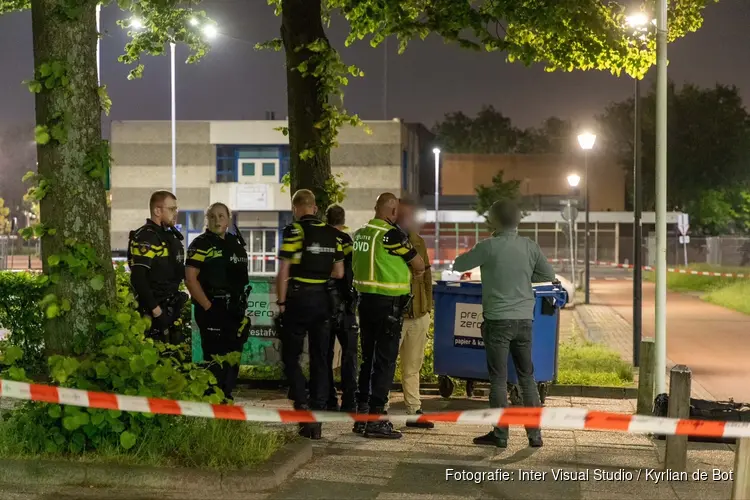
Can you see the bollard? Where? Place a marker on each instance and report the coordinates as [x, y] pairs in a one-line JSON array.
[[675, 457], [741, 483], [646, 378]]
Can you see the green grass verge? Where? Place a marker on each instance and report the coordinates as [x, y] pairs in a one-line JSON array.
[[691, 283], [188, 442], [584, 363], [732, 296]]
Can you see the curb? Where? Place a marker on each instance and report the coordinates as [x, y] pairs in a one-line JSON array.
[[84, 479]]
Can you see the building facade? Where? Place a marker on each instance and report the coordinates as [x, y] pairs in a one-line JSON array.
[[241, 164]]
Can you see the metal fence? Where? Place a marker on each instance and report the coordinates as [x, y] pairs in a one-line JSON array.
[[17, 254]]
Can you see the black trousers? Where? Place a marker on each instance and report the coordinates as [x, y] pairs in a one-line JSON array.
[[380, 338], [308, 313], [347, 335], [220, 336]]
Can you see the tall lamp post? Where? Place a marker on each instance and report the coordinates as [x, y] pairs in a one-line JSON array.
[[586, 140], [436, 152], [639, 23], [573, 181], [209, 31]]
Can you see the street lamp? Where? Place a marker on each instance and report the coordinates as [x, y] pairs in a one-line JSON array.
[[209, 31], [436, 152], [574, 180], [586, 140], [639, 23]]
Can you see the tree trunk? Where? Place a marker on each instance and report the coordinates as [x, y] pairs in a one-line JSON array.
[[76, 204], [301, 25]]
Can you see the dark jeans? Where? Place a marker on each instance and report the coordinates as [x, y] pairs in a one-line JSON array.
[[221, 336], [380, 339], [308, 313], [347, 335], [502, 337]]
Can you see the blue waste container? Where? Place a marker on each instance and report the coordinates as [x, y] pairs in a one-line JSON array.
[[458, 345]]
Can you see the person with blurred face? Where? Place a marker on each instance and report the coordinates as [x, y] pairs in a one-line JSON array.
[[156, 261], [217, 277], [416, 316]]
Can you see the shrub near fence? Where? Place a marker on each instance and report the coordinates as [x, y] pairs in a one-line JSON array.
[[20, 313]]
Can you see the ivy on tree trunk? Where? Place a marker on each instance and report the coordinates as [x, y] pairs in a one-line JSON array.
[[301, 28], [75, 204]]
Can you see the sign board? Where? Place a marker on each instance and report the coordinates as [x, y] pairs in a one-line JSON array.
[[684, 240], [683, 223], [251, 197], [569, 213], [467, 326]]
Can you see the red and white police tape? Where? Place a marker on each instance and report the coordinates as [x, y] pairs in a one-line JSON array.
[[547, 418], [645, 268]]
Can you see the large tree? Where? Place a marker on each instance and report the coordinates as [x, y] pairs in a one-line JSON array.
[[563, 34], [708, 151], [489, 132], [73, 158]]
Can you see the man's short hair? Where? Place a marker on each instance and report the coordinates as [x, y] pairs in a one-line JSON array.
[[303, 198], [158, 198], [505, 213], [336, 215]]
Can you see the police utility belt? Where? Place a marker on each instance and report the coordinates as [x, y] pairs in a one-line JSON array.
[[235, 303]]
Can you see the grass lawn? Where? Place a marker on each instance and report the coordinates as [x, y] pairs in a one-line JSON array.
[[585, 363], [190, 442], [722, 291]]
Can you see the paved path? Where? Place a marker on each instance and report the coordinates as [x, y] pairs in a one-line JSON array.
[[713, 341], [348, 466]]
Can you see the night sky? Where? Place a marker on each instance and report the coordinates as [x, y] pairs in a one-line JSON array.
[[237, 82]]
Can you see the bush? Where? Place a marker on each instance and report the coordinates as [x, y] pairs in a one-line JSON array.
[[122, 362], [20, 296]]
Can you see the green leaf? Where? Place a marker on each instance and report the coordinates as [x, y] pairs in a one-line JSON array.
[[98, 418], [65, 305], [137, 364], [54, 411], [71, 423], [52, 311], [12, 354], [127, 440], [45, 69], [17, 373], [102, 369], [41, 134], [97, 282], [53, 260]]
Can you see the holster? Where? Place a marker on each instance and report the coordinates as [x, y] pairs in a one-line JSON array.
[[395, 320]]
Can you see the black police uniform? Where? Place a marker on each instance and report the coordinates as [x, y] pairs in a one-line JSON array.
[[156, 261], [312, 247], [223, 276], [381, 319], [344, 328]]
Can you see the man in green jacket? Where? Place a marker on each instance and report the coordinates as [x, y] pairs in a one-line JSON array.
[[381, 260], [416, 317], [509, 264]]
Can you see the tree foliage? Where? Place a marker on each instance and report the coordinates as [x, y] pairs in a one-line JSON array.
[[5, 222], [499, 190], [562, 34], [708, 152], [490, 132]]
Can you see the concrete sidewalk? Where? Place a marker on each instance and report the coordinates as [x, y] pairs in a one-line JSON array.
[[711, 340], [424, 464]]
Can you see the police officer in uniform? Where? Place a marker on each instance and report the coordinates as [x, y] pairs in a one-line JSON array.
[[310, 256], [216, 275], [344, 325], [156, 260], [382, 258]]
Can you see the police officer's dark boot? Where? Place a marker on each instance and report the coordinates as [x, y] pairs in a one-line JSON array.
[[311, 431], [359, 427], [381, 429]]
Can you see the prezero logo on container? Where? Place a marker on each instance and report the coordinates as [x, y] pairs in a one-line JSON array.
[[467, 327]]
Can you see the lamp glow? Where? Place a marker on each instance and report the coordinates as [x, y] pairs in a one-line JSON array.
[[210, 31], [586, 140], [436, 151], [193, 21], [574, 180], [136, 23], [637, 20]]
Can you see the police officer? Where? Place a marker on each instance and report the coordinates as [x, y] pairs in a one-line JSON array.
[[310, 256], [216, 275], [381, 262], [344, 325], [156, 260]]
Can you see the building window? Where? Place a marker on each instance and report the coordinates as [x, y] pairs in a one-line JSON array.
[[261, 249], [269, 169], [248, 169], [226, 170]]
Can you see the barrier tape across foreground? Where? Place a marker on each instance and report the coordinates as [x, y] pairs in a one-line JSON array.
[[547, 418]]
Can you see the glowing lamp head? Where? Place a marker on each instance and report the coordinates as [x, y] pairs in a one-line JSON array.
[[574, 180], [193, 21], [136, 23], [586, 140], [210, 31], [637, 20], [436, 151]]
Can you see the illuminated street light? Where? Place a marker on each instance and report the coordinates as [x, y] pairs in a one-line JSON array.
[[136, 23], [586, 140], [637, 20], [210, 31], [436, 152], [574, 180], [193, 21]]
